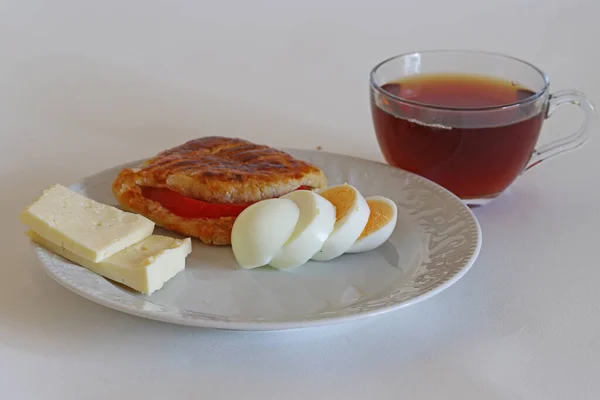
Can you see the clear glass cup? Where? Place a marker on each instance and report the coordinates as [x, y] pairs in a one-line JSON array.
[[473, 147]]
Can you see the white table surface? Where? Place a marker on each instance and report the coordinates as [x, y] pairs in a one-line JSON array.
[[87, 85]]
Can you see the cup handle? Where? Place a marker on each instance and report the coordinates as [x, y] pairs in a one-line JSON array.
[[572, 141]]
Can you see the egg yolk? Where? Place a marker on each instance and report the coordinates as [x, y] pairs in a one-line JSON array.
[[381, 214], [342, 197]]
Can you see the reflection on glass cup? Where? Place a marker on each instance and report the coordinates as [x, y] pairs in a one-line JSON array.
[[467, 120]]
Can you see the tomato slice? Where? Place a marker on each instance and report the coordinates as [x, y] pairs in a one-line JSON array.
[[191, 208]]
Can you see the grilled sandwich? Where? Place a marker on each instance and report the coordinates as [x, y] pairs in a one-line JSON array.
[[199, 188]]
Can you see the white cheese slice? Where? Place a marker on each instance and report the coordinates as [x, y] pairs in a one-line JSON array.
[[83, 226], [144, 266]]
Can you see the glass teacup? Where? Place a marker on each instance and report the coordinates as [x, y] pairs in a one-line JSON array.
[[467, 120]]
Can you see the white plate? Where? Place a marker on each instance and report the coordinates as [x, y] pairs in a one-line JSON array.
[[436, 241]]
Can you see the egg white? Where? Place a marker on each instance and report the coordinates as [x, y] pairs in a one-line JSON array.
[[315, 224], [261, 230], [347, 229]]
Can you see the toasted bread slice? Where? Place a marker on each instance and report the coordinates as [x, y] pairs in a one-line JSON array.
[[214, 170]]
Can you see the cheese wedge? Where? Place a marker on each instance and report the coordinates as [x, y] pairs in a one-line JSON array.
[[144, 267], [82, 226]]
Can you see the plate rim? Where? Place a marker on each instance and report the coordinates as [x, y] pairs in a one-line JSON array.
[[45, 260]]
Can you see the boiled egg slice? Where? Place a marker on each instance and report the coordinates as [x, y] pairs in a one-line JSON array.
[[352, 214], [261, 230], [315, 224], [379, 228]]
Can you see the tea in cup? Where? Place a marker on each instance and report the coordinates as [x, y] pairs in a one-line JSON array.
[[467, 120]]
